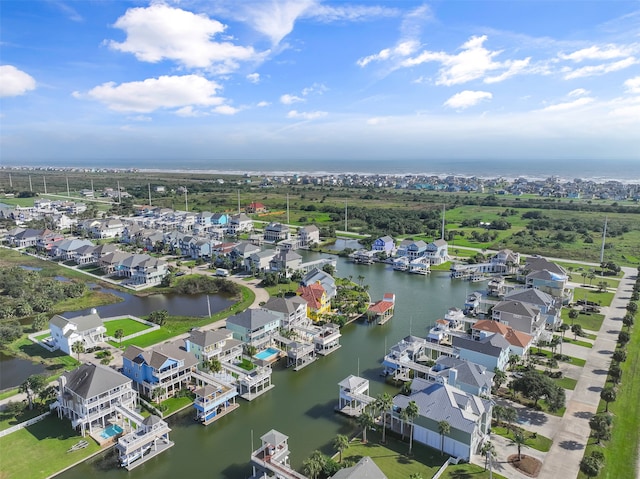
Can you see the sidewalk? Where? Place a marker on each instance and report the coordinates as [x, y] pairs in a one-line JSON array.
[[563, 460]]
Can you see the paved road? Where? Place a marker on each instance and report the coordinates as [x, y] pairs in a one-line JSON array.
[[563, 460]]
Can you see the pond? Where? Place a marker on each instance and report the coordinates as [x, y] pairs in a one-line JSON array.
[[344, 243], [13, 371]]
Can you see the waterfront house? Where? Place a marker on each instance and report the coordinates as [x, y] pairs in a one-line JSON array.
[[549, 306], [437, 251], [468, 415], [520, 316], [275, 232], [316, 275], [272, 458], [491, 352], [259, 262], [472, 303], [381, 311], [327, 339], [150, 271], [318, 302], [353, 395], [519, 342], [24, 237], [415, 249], [91, 395], [214, 344], [160, 372], [285, 262], [509, 260], [308, 235], [292, 311], [255, 327], [239, 223], [88, 329], [470, 377], [384, 244], [243, 250], [67, 249], [214, 400]]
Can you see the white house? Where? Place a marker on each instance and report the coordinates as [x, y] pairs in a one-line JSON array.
[[88, 329]]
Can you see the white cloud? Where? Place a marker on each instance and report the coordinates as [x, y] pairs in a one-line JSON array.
[[350, 13], [402, 49], [161, 32], [316, 88], [570, 105], [274, 19], [226, 110], [578, 92], [14, 82], [472, 62], [156, 93], [308, 115], [602, 69], [287, 99], [467, 98], [633, 85], [378, 120], [607, 52], [263, 104], [188, 112], [254, 77]]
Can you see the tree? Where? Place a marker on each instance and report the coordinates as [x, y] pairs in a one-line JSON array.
[[601, 427], [615, 372], [623, 337], [411, 412], [576, 329], [15, 408], [119, 334], [519, 440], [564, 326], [48, 394], [313, 465], [39, 322], [591, 465], [444, 428], [384, 402], [510, 415], [159, 317], [157, 393], [488, 450], [513, 360], [415, 475], [499, 377], [619, 355], [340, 444], [628, 321], [498, 413], [608, 394], [556, 397], [215, 366], [365, 421], [632, 307], [32, 386], [78, 348]]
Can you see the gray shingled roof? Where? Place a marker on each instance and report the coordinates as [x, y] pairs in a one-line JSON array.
[[364, 469], [90, 380], [516, 307], [252, 319], [281, 305], [208, 337], [491, 346], [274, 438], [531, 296], [157, 356], [468, 372]]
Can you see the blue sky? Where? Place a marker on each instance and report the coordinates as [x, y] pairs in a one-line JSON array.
[[313, 80]]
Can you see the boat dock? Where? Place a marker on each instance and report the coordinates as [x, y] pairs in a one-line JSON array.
[[353, 396]]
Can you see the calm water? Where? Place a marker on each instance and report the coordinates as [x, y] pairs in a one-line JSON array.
[[302, 403], [13, 371]]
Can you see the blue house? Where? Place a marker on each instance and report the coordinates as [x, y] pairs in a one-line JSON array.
[[385, 244], [161, 372], [214, 400]]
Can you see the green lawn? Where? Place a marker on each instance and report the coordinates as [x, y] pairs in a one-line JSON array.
[[41, 450], [40, 337], [282, 288], [566, 383], [9, 393], [176, 404], [392, 459], [534, 441], [591, 321], [8, 420], [602, 298], [56, 361], [129, 326], [577, 342], [545, 353]]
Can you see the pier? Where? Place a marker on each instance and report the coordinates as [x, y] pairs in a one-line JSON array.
[[353, 396]]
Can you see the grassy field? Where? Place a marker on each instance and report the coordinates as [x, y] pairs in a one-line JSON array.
[[8, 420], [577, 342], [41, 450], [537, 441], [603, 298], [129, 326], [544, 353], [176, 404], [591, 321], [566, 383], [392, 459]]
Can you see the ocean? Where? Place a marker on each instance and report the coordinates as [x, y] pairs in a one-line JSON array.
[[627, 171]]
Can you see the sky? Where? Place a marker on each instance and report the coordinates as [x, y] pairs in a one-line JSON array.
[[167, 81]]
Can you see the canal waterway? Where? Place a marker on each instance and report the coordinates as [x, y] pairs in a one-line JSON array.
[[302, 403], [13, 371]]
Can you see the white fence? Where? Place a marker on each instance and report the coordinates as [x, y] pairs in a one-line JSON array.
[[152, 327], [22, 425]]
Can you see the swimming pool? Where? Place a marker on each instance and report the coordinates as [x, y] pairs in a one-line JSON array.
[[109, 432], [267, 353]]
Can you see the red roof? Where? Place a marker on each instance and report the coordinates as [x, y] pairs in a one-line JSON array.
[[514, 337], [312, 294], [380, 307]]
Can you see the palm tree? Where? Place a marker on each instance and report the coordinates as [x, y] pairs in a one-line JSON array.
[[608, 395], [119, 334], [384, 402], [488, 450], [444, 428], [498, 413], [412, 412], [341, 443], [32, 386], [78, 348], [365, 421], [510, 415], [215, 366], [313, 465], [519, 440]]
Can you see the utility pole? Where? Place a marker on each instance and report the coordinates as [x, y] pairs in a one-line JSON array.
[[93, 193], [10, 181], [238, 201], [119, 194], [345, 215], [604, 236], [149, 194], [44, 180], [68, 193], [186, 206], [287, 208], [30, 185], [443, 207]]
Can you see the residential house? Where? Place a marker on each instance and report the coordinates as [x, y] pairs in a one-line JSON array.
[[308, 235], [470, 377], [285, 262], [255, 327], [259, 262], [520, 316], [88, 329], [519, 342], [365, 468], [415, 249], [491, 352], [150, 271], [45, 242], [276, 232], [91, 395], [384, 244], [239, 223], [108, 228], [316, 275], [244, 250], [318, 302], [292, 311], [67, 249], [507, 258], [468, 415], [24, 237], [549, 306], [256, 208], [160, 372], [214, 344], [437, 251]]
